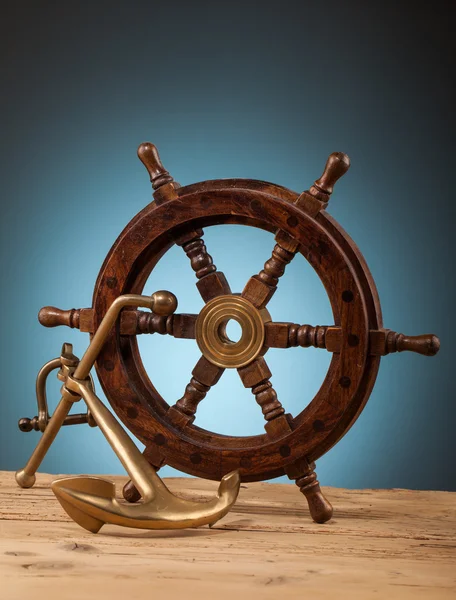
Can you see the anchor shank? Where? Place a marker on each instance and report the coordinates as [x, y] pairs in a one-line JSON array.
[[138, 468], [87, 361]]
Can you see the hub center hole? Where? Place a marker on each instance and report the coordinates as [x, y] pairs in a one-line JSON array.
[[231, 331]]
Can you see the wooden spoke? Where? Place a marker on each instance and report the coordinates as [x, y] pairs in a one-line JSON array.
[[136, 322], [260, 288], [289, 335], [204, 376], [381, 341], [132, 322], [211, 283], [256, 376]]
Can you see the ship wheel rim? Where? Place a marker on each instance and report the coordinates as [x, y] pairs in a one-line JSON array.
[[233, 193]]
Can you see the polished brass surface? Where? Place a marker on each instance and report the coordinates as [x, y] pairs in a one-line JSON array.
[[39, 422], [91, 501], [165, 303], [66, 363], [211, 331], [26, 476]]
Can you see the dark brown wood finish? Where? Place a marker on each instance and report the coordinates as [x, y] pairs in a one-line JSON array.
[[204, 376], [277, 335], [306, 479], [204, 453], [260, 288], [256, 376], [211, 283], [356, 340]]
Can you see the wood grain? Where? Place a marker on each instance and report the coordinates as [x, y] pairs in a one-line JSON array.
[[256, 376], [356, 338], [395, 544], [122, 375]]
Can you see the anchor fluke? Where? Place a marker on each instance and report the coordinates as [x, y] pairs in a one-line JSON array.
[[96, 486], [91, 502]]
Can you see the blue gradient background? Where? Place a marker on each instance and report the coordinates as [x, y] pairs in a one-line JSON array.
[[234, 89]]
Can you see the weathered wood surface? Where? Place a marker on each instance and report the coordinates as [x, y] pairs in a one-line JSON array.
[[379, 544]]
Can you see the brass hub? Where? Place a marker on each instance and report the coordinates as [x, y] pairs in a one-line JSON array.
[[211, 334]]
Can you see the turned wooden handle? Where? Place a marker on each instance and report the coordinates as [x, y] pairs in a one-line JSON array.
[[320, 509], [337, 165], [50, 316], [148, 155], [427, 344]]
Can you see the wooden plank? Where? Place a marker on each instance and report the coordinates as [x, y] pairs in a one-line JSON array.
[[395, 544]]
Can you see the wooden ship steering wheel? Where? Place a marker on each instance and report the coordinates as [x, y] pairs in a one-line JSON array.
[[356, 339]]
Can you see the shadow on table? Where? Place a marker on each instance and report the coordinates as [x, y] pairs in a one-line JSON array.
[[163, 533]]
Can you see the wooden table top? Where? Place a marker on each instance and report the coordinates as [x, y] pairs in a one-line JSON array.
[[380, 544]]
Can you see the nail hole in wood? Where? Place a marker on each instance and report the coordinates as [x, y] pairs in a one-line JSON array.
[[318, 425], [345, 381], [292, 221], [353, 340], [285, 450], [111, 282], [132, 413]]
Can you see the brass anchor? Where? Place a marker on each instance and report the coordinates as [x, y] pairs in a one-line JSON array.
[[90, 501]]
